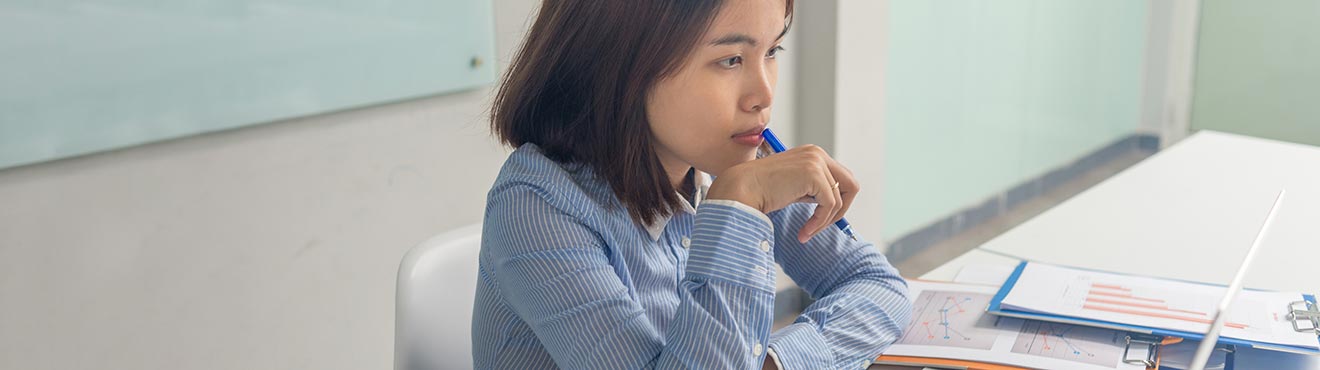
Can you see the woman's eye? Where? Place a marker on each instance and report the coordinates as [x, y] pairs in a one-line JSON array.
[[731, 62], [774, 51]]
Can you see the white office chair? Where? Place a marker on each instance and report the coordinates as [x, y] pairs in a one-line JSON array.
[[433, 302]]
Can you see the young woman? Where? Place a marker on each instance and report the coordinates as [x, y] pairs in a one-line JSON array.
[[607, 246]]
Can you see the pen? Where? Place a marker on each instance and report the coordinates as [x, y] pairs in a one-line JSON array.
[[778, 146]]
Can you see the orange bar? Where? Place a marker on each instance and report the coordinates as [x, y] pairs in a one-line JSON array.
[[1159, 315], [1122, 295], [1109, 286], [1142, 305]]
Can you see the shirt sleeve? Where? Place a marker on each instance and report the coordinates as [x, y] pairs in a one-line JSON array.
[[557, 277], [861, 306]]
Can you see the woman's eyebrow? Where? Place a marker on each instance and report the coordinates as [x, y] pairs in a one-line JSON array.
[[735, 38]]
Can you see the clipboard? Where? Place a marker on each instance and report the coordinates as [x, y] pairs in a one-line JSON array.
[[1304, 316]]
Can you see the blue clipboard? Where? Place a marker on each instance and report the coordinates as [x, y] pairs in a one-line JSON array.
[[996, 308]]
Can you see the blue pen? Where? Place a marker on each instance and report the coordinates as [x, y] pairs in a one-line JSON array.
[[778, 146]]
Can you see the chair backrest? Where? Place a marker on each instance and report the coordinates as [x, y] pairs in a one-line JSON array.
[[437, 283]]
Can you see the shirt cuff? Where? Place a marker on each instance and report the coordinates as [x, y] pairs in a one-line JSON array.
[[731, 244], [799, 346], [740, 205], [773, 357]]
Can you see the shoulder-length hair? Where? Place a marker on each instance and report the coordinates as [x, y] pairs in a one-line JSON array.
[[578, 85]]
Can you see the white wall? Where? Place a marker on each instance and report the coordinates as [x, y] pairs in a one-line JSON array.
[[1171, 43], [859, 135], [271, 247]]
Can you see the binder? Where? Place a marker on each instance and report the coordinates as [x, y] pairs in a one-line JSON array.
[[1303, 314], [941, 363]]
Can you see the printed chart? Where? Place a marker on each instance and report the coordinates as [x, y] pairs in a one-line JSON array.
[[1116, 298], [1095, 346], [1152, 302], [952, 319]]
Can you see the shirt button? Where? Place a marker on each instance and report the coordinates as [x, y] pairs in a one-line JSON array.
[[756, 350], [765, 245], [866, 364], [687, 243]]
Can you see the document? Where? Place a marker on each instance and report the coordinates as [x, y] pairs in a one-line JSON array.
[[1256, 316], [949, 322]]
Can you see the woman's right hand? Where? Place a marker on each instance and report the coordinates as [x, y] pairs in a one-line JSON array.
[[802, 174]]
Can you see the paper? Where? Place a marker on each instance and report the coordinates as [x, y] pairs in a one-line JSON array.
[[1151, 302], [949, 321]]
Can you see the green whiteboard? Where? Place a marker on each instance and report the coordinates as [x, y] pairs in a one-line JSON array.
[[983, 95], [85, 76], [1258, 69]]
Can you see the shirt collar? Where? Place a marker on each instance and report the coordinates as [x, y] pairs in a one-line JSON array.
[[702, 182]]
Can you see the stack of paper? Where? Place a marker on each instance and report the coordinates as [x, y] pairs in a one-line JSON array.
[[949, 322], [1145, 304]]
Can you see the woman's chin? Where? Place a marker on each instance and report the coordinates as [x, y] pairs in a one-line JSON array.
[[715, 169]]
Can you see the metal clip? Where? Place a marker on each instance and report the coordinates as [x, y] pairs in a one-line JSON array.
[[1152, 348], [1307, 312]]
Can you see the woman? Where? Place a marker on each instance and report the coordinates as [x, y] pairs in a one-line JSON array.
[[607, 246]]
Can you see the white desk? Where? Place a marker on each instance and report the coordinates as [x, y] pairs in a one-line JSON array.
[[949, 270], [1189, 212]]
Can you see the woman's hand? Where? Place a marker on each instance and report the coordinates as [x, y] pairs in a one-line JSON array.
[[801, 174]]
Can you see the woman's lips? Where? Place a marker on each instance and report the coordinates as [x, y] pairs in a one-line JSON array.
[[751, 137], [752, 140]]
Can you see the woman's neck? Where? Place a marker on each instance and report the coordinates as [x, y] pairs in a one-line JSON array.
[[678, 172], [684, 182]]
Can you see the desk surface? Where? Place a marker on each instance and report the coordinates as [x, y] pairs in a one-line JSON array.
[[949, 270], [1190, 212]]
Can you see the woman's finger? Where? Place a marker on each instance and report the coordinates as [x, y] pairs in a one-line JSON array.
[[836, 205], [826, 206], [848, 187]]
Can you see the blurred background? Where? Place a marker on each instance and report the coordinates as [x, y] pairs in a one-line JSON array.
[[212, 184]]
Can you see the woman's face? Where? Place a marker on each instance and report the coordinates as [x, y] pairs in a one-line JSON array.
[[709, 114]]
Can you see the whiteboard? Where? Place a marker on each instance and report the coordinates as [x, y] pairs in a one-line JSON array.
[[79, 77]]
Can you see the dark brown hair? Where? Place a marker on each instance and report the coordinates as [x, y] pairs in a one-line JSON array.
[[578, 85]]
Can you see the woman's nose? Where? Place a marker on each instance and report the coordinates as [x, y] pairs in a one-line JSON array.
[[760, 90]]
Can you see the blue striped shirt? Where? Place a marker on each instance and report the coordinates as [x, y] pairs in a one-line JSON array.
[[567, 279]]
